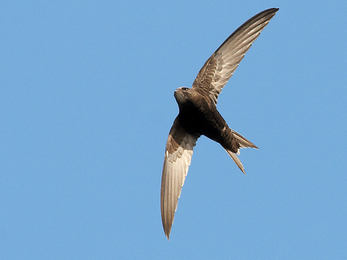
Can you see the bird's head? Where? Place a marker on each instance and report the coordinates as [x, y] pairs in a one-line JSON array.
[[181, 95]]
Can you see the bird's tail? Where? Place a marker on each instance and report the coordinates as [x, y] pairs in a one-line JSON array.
[[243, 143]]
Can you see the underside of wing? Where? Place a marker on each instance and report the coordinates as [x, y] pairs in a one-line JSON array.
[[221, 65], [178, 155]]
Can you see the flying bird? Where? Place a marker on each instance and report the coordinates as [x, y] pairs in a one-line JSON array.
[[198, 114]]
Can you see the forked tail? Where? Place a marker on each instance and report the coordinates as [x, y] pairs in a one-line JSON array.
[[244, 143]]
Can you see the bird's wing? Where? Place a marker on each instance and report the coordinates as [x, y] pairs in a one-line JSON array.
[[221, 65], [178, 155]]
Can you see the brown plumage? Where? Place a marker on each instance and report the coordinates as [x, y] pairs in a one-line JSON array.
[[198, 114]]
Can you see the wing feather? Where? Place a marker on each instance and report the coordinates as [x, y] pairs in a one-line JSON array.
[[223, 62], [178, 155]]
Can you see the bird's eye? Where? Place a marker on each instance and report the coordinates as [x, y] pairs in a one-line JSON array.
[[184, 88]]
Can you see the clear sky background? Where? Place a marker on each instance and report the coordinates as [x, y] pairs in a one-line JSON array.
[[86, 104]]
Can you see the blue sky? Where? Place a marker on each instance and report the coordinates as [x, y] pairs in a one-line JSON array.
[[86, 104]]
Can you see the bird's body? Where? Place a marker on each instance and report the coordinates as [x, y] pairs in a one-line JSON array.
[[198, 114]]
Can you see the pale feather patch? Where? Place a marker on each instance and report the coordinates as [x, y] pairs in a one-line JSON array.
[[175, 170]]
